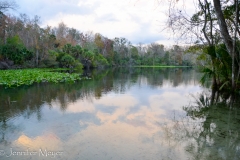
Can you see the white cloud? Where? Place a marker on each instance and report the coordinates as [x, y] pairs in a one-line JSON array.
[[136, 20]]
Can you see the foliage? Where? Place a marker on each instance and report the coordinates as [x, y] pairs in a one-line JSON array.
[[15, 78], [219, 41], [87, 57], [50, 60], [62, 46], [14, 50], [218, 65], [100, 60], [143, 66], [67, 61], [207, 73]]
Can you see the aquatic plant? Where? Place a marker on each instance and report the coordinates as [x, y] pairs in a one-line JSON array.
[[15, 78]]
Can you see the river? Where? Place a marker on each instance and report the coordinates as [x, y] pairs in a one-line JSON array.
[[127, 113]]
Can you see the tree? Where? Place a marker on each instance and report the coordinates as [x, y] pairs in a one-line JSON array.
[[120, 46], [5, 5], [61, 32], [228, 40], [73, 36], [15, 50], [108, 49], [157, 50], [99, 42], [2, 27], [217, 25]]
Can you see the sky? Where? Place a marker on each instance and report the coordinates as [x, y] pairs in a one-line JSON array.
[[140, 21]]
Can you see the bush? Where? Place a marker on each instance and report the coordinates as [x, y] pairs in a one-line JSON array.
[[78, 66], [50, 60], [14, 50], [67, 61]]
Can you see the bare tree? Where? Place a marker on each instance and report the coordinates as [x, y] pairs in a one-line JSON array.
[[5, 5]]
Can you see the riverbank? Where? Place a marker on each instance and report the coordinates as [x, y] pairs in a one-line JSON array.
[[143, 66]]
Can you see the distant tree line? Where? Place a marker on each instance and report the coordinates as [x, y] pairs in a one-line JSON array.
[[24, 44]]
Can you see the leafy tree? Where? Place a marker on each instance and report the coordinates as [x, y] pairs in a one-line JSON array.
[[14, 50], [67, 61], [99, 43]]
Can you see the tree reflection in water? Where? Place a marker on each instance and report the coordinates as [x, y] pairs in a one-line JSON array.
[[30, 101], [210, 129]]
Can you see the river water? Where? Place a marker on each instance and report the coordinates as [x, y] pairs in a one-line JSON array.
[[119, 114]]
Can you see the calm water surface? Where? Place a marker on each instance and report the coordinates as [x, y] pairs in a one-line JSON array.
[[119, 114]]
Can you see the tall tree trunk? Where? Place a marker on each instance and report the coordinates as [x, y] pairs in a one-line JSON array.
[[234, 46], [226, 36], [235, 36], [223, 27], [210, 40]]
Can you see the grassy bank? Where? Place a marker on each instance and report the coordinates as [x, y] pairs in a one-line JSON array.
[[15, 78], [164, 66]]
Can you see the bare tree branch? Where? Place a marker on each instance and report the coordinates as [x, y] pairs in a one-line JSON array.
[[5, 5]]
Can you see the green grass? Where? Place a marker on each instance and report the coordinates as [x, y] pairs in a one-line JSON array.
[[162, 66], [15, 78]]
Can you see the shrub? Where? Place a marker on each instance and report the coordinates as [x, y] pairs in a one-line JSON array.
[[67, 61], [14, 50]]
